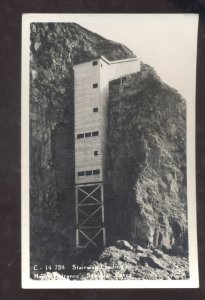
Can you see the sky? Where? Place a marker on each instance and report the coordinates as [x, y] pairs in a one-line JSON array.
[[167, 42]]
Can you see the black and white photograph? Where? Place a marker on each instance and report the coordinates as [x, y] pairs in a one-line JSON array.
[[108, 151]]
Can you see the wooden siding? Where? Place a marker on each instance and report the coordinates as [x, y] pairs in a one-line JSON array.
[[86, 121]]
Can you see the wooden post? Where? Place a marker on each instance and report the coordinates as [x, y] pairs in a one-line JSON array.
[[76, 213], [103, 215]]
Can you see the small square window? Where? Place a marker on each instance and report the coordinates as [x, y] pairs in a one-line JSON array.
[[95, 109], [88, 173], [81, 173], [95, 85], [96, 172], [96, 153], [95, 63], [80, 136], [95, 133], [88, 134]]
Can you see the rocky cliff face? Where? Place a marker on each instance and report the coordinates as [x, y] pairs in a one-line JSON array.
[[147, 123], [147, 141]]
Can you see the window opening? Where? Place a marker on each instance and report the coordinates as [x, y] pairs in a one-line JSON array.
[[81, 173], [88, 134], [95, 133], [96, 172], [80, 136], [95, 109], [95, 85]]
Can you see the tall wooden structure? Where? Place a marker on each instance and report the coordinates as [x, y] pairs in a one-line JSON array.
[[91, 95]]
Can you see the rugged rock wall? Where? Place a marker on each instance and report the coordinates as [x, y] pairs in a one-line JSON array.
[[147, 141], [54, 50]]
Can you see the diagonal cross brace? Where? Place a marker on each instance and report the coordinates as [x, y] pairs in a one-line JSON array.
[[87, 237], [89, 194], [84, 213], [90, 216], [93, 237], [91, 240]]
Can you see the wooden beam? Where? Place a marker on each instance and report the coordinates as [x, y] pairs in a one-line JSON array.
[[76, 214], [103, 216], [89, 204]]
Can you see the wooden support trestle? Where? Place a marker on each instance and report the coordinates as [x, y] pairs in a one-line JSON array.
[[90, 229]]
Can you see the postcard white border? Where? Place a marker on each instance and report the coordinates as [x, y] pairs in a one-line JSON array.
[[27, 282]]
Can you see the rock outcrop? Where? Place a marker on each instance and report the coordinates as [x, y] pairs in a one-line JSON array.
[[115, 263], [147, 142]]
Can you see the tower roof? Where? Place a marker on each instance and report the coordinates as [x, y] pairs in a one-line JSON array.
[[109, 62]]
